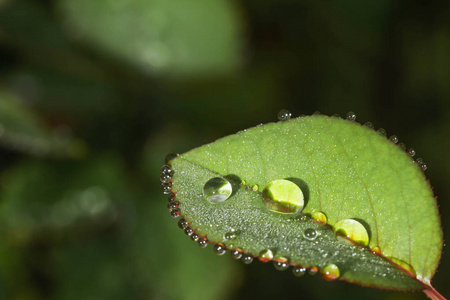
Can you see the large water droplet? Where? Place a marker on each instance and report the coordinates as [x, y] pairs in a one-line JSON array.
[[298, 271], [351, 116], [283, 196], [330, 272], [266, 255], [284, 115], [352, 230], [281, 264], [217, 190], [310, 234], [319, 217], [219, 249]]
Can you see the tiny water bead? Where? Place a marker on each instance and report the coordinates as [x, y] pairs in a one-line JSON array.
[[166, 188], [217, 190], [411, 152], [231, 235], [171, 197], [189, 231], [175, 213], [402, 145], [313, 271], [255, 187], [247, 259], [220, 249], [266, 255], [330, 272], [319, 217], [281, 264], [352, 230], [351, 116], [236, 254], [369, 124], [382, 131], [202, 243], [423, 167], [194, 237], [172, 205], [310, 234], [394, 139], [182, 223], [284, 115], [298, 271], [165, 178], [376, 250], [283, 196]]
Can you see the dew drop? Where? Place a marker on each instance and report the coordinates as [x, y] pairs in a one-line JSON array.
[[219, 249], [351, 116], [189, 231], [171, 197], [330, 272], [172, 205], [247, 259], [166, 169], [423, 166], [230, 235], [319, 217], [394, 139], [281, 264], [194, 237], [310, 234], [236, 254], [313, 271], [404, 265], [202, 243], [376, 250], [255, 187], [182, 223], [283, 196], [266, 255], [419, 161], [175, 213], [166, 188], [402, 145], [170, 157], [298, 271], [165, 178], [284, 115], [352, 230], [368, 124], [217, 190], [411, 152], [382, 131]]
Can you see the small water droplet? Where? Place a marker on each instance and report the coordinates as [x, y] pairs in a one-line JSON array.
[[352, 230], [230, 235], [175, 213], [266, 255], [411, 152], [165, 169], [202, 243], [394, 139], [298, 271], [171, 197], [313, 271], [166, 188], [402, 145], [255, 187], [319, 217], [382, 131], [182, 223], [301, 218], [283, 196], [404, 265], [284, 115], [217, 190], [310, 234], [220, 249], [189, 231], [351, 116], [247, 259], [419, 161], [236, 254], [376, 250], [330, 272], [281, 264], [194, 237], [170, 157], [368, 124], [423, 166], [172, 205], [165, 178]]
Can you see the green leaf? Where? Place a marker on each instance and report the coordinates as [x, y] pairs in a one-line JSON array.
[[164, 37], [345, 171]]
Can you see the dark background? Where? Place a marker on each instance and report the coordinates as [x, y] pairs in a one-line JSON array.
[[94, 94]]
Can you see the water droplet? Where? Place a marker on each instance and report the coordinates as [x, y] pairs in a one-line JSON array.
[[351, 116], [230, 235], [219, 249], [330, 272], [283, 196], [419, 160], [182, 223], [284, 115], [194, 237], [301, 218], [236, 254], [376, 250], [166, 169], [313, 271], [166, 188], [310, 234], [382, 131], [202, 243], [171, 197], [411, 152], [404, 265], [170, 157], [217, 190], [319, 217], [394, 139], [281, 264], [255, 187], [175, 213], [403, 146], [368, 124], [189, 231], [172, 205], [352, 230], [266, 255], [165, 178], [298, 271], [423, 166], [247, 259]]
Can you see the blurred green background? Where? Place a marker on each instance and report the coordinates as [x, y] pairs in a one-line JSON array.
[[94, 94]]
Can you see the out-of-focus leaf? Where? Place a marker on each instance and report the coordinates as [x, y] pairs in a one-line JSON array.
[[166, 37]]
